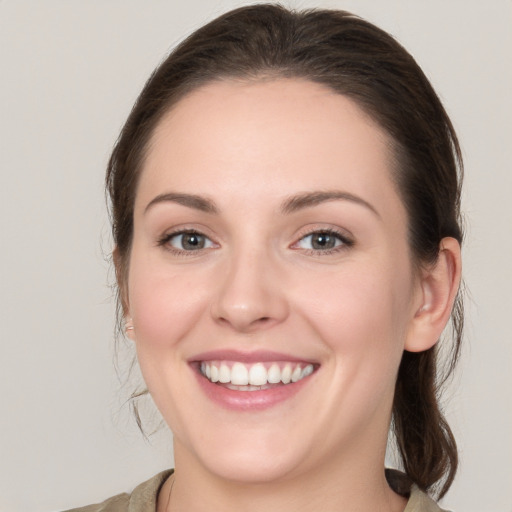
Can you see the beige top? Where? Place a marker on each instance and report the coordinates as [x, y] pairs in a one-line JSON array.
[[144, 496]]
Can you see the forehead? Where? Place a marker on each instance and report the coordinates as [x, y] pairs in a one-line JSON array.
[[269, 137]]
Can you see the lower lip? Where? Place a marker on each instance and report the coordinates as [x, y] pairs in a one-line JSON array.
[[249, 400]]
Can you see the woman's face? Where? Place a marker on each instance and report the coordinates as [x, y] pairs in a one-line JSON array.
[[270, 255]]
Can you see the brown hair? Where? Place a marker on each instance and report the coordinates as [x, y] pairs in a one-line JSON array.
[[356, 59]]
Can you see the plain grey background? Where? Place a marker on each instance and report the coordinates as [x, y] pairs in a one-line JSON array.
[[69, 73]]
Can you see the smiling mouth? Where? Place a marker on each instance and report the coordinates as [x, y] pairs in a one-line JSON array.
[[240, 376]]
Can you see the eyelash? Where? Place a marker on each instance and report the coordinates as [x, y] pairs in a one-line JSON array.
[[165, 239], [341, 237], [338, 235]]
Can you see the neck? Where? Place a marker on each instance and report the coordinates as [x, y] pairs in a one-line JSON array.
[[348, 486]]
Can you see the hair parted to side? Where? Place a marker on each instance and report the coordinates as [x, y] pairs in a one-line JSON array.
[[358, 60]]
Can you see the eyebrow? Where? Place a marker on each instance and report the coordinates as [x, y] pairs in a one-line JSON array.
[[309, 199], [291, 205], [196, 202]]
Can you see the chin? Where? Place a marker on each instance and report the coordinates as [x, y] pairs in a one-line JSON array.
[[253, 469], [249, 460]]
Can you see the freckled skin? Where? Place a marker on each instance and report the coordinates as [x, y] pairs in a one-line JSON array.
[[249, 147]]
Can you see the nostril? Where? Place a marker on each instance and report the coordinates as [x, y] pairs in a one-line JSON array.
[[244, 324], [263, 320], [245, 311]]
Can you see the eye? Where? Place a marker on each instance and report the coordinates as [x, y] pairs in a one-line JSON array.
[[324, 240], [187, 241]]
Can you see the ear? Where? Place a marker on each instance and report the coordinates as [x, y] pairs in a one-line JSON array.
[[123, 292], [438, 288], [129, 330]]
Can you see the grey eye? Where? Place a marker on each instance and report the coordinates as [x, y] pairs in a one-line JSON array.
[[190, 241], [320, 240]]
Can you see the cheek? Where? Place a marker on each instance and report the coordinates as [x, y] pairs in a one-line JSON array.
[[362, 314], [163, 305]]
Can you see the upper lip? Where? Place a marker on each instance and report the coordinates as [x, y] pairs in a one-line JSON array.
[[256, 356]]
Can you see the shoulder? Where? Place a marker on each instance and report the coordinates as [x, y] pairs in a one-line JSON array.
[[421, 502], [142, 499], [117, 503], [418, 501]]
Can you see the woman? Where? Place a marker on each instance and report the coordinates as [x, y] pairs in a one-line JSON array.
[[285, 206]]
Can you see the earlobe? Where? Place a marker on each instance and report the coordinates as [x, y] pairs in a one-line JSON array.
[[122, 293], [438, 289], [129, 329]]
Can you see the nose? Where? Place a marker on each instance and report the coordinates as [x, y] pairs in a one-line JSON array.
[[251, 294]]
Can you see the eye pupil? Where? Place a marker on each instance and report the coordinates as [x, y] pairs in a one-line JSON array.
[[323, 241], [191, 241]]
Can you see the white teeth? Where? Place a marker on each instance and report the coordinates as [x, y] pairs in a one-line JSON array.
[[308, 370], [224, 374], [257, 375], [286, 374], [274, 374], [239, 375], [244, 377], [296, 374]]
